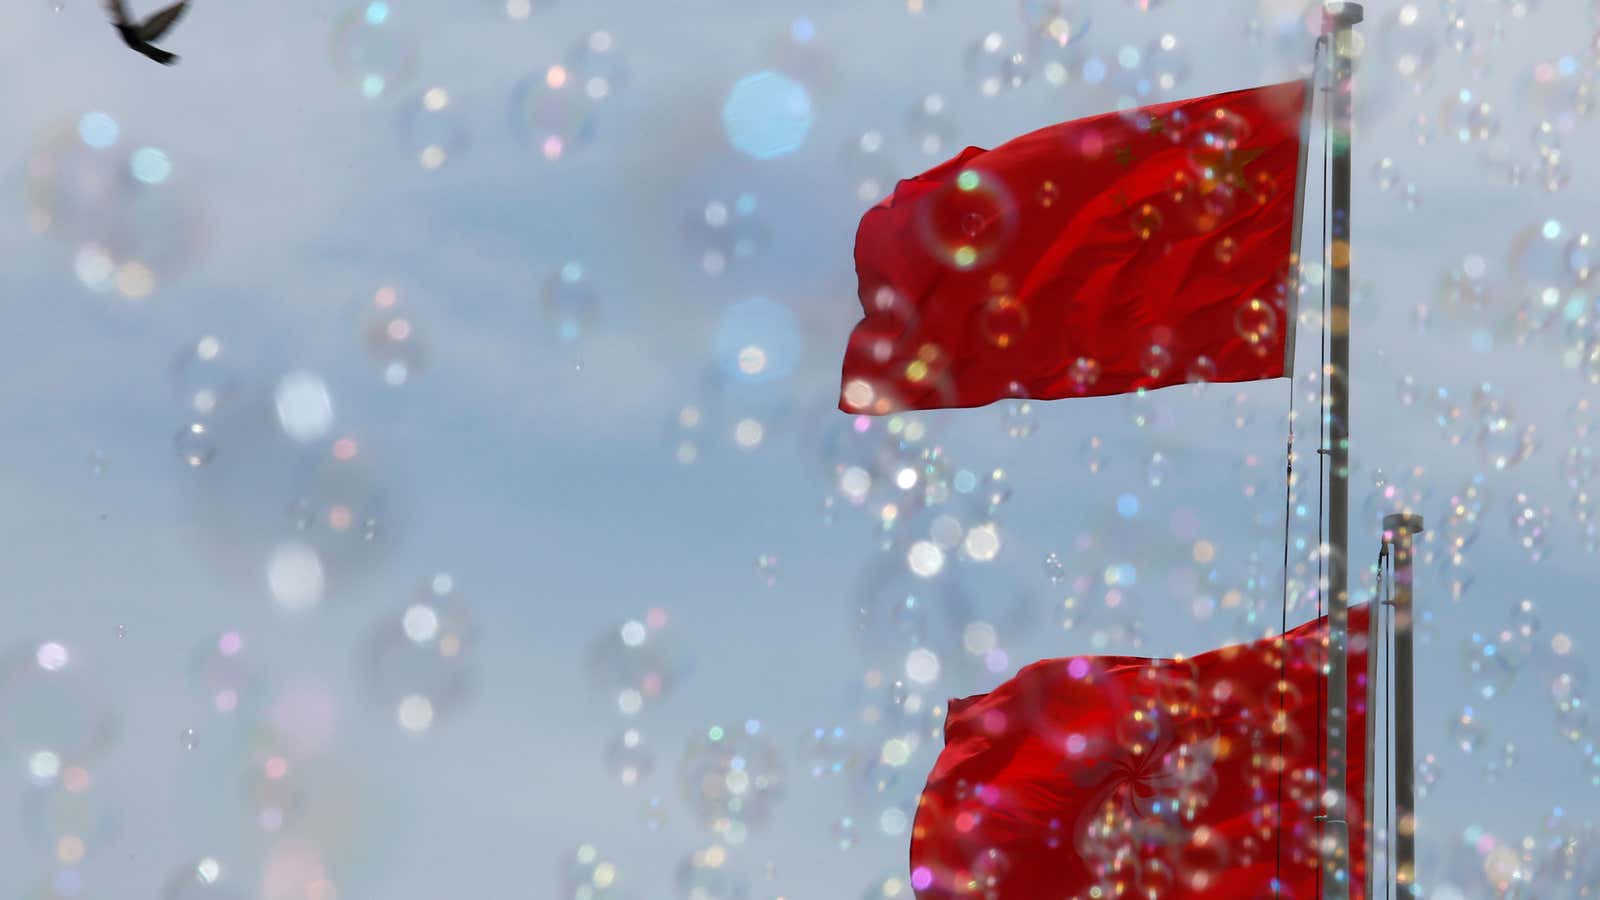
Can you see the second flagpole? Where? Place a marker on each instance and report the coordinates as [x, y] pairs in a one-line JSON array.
[[1341, 19]]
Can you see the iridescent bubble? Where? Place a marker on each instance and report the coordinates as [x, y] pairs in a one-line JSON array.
[[627, 759], [767, 567], [705, 875], [202, 879], [1019, 419], [222, 676], [1166, 63], [968, 220], [1466, 731], [595, 65], [339, 508], [929, 126], [75, 819], [194, 444], [727, 235], [1003, 320], [767, 115], [587, 875], [1054, 568], [551, 115], [568, 303], [867, 164], [889, 887], [1469, 118], [390, 337], [418, 660], [118, 208], [1409, 42], [371, 53], [55, 705], [634, 664], [827, 752], [732, 778], [996, 65], [202, 377], [758, 341], [433, 128], [1529, 522], [1056, 22]]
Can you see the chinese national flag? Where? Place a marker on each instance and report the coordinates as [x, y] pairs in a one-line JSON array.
[[1120, 777], [1129, 250]]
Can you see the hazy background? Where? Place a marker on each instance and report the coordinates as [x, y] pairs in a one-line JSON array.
[[210, 628]]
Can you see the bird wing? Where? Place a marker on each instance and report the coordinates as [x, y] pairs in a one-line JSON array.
[[157, 25], [119, 13], [164, 57]]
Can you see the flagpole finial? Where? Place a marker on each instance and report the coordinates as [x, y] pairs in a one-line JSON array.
[[1341, 14], [1400, 523]]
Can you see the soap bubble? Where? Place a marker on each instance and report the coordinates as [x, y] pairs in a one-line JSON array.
[[930, 128], [389, 334], [203, 376], [1409, 43], [419, 660], [54, 704], [550, 114], [202, 879], [732, 778], [433, 128], [194, 444], [595, 66], [635, 663], [568, 303], [370, 51], [727, 235], [996, 65], [587, 875], [705, 875]]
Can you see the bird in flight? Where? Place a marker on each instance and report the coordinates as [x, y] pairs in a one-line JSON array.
[[138, 35]]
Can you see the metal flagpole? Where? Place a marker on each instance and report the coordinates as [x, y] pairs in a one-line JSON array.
[[1397, 530], [1340, 19], [1374, 618]]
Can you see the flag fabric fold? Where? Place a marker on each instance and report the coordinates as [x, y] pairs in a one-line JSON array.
[[1129, 250], [1099, 777]]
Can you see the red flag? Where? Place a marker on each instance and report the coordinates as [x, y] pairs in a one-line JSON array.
[[1093, 778], [1128, 250]]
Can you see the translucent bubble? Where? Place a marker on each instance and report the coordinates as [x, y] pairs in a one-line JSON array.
[[929, 126], [1019, 419], [1155, 360], [758, 340], [1165, 63], [1409, 42], [1466, 731], [867, 164], [595, 65], [390, 337], [1057, 22], [1469, 118], [550, 114], [74, 820], [968, 220], [727, 235], [1157, 470], [370, 51], [222, 676], [627, 758], [568, 302], [586, 874], [889, 887], [1054, 568], [767, 115], [433, 128], [419, 660], [706, 875], [202, 879], [54, 704], [188, 740], [634, 664], [845, 832], [194, 444], [732, 778], [1529, 522], [996, 65], [1003, 320], [202, 376], [128, 234]]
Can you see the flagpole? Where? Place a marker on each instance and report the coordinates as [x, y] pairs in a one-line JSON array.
[[1374, 642], [1397, 530], [1340, 19]]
